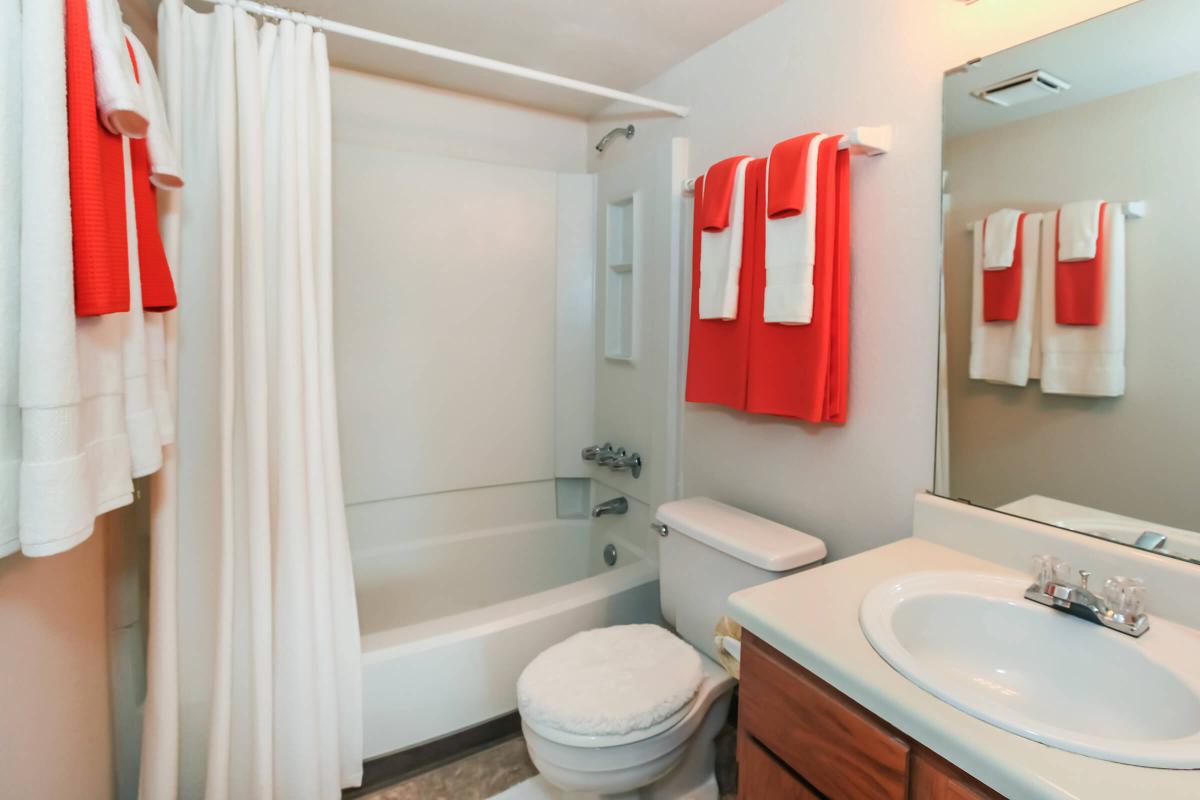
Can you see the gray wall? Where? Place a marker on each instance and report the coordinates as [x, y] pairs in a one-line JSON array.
[[1139, 454]]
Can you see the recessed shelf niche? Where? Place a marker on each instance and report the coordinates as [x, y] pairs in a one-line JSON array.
[[619, 296]]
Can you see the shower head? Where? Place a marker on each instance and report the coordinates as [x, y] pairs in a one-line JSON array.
[[627, 132]]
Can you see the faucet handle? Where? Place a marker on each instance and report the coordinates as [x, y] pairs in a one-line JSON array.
[[1048, 569], [1125, 596]]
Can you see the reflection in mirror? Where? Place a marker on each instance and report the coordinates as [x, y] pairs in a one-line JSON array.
[[1070, 382]]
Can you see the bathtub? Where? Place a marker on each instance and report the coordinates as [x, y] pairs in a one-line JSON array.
[[449, 623]]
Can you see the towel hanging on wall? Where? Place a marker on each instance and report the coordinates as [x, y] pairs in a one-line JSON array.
[[723, 215]]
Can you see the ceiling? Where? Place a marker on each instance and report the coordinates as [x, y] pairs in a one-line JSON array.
[[621, 44], [1135, 46]]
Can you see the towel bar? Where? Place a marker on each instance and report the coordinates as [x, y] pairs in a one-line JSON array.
[[1134, 209], [864, 140]]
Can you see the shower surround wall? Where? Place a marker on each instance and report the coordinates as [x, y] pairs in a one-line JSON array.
[[464, 334], [445, 242]]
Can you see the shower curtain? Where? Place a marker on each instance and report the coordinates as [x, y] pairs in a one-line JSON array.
[[254, 661]]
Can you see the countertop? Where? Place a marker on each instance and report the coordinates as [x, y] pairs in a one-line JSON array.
[[812, 617]]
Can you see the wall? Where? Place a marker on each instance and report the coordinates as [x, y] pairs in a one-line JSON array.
[[810, 65], [1009, 442], [55, 714], [449, 249]]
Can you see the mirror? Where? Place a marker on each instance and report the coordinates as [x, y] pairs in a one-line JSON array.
[[1069, 388]]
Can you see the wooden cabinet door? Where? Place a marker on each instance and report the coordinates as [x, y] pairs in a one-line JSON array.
[[762, 777], [840, 749], [935, 779]]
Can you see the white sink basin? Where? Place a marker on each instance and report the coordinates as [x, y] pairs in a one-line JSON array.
[[975, 642]]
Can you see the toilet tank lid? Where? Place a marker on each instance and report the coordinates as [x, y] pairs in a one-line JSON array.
[[745, 536]]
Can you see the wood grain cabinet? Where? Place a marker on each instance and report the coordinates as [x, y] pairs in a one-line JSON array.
[[798, 737]]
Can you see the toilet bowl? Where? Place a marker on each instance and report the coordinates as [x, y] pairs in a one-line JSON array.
[[632, 711], [668, 761]]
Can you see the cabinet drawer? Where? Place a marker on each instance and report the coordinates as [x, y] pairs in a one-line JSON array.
[[838, 748], [763, 777]]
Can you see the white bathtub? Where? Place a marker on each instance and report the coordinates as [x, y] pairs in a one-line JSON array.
[[448, 624]]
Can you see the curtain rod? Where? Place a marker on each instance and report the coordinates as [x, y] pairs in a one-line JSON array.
[[446, 54]]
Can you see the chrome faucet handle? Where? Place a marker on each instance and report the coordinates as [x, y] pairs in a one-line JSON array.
[[592, 452], [631, 462], [606, 458]]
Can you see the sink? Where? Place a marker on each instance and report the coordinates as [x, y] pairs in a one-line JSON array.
[[972, 640]]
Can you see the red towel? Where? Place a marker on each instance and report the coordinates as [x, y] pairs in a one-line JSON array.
[[714, 211], [1079, 285], [1002, 287], [802, 371], [718, 349], [787, 175], [158, 290], [97, 168]]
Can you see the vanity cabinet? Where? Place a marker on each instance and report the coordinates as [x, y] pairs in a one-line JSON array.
[[798, 737]]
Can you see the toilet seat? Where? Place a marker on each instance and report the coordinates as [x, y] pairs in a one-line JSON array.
[[560, 736], [610, 686]]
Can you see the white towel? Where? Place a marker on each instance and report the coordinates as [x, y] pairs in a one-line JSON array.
[[117, 94], [165, 172], [1002, 352], [791, 248], [10, 274], [1086, 359], [1000, 238], [141, 419], [1078, 228], [721, 256], [55, 500]]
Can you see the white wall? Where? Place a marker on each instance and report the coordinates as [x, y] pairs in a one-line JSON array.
[[1008, 442], [807, 65], [450, 267]]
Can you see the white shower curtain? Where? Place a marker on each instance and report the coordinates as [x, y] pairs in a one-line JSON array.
[[254, 662]]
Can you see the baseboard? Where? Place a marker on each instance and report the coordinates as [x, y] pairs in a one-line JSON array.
[[379, 773]]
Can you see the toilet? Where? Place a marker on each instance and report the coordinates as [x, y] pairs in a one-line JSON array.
[[631, 711]]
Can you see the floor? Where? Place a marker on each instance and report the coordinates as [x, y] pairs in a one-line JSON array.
[[504, 772], [480, 775]]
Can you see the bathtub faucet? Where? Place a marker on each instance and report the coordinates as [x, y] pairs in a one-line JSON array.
[[618, 505]]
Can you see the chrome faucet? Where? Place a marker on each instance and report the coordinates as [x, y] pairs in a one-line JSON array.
[[618, 505], [1151, 540], [1121, 607]]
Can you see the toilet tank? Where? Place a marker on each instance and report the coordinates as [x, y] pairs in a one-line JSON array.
[[712, 550]]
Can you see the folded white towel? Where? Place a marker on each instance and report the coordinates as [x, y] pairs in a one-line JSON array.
[[165, 172], [1002, 352], [10, 274], [721, 256], [117, 94], [791, 248], [1086, 359], [1000, 238], [1078, 227]]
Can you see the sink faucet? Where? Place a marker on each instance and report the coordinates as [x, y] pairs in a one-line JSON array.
[[1121, 607], [618, 505]]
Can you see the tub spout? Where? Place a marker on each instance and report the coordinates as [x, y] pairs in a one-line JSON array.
[[618, 505]]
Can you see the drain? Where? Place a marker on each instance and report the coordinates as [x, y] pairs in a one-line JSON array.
[[610, 554]]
